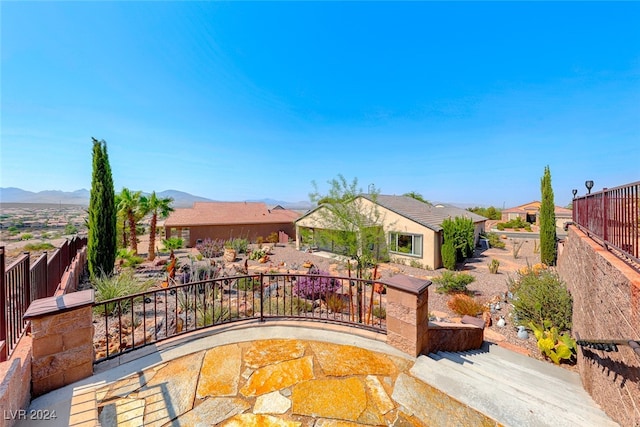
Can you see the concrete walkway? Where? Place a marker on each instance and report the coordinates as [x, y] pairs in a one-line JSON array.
[[295, 375]]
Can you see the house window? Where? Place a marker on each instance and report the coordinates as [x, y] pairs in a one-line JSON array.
[[406, 244]]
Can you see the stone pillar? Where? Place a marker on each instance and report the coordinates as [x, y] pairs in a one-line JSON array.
[[408, 314], [62, 333]]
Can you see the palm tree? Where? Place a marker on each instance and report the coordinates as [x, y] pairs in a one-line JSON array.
[[129, 206], [157, 207]]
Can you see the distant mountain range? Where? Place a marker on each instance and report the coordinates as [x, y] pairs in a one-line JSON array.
[[81, 197]]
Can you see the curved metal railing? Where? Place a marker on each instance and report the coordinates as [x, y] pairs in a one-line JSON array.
[[131, 322]]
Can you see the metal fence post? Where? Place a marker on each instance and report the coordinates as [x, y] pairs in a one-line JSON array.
[[4, 349], [261, 298]]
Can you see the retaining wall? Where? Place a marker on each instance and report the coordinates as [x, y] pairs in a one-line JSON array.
[[606, 305]]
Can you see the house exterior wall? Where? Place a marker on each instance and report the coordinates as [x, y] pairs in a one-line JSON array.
[[225, 232], [392, 222]]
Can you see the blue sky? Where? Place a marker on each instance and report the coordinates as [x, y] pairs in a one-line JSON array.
[[461, 102]]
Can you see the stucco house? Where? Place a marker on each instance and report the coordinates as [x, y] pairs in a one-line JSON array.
[[226, 220], [529, 212], [412, 228]]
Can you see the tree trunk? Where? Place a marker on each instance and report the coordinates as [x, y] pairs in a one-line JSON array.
[[132, 234], [152, 237]]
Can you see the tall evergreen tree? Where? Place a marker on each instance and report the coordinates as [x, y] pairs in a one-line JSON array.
[[548, 244], [101, 245]]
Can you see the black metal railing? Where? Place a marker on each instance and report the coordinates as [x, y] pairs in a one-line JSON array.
[[131, 322], [610, 345], [612, 218]]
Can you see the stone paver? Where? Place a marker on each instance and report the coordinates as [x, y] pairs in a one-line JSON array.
[[271, 382]]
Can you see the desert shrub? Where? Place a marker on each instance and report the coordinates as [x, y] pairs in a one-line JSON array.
[[379, 312], [293, 305], [313, 286], [172, 243], [495, 241], [26, 236], [451, 283], [257, 254], [38, 247], [449, 256], [117, 286], [127, 258], [464, 305], [213, 314], [417, 264], [211, 248], [513, 223], [240, 245], [248, 284], [259, 240], [273, 238], [541, 296], [336, 303]]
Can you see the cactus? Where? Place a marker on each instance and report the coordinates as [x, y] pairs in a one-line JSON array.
[[493, 266], [553, 345]]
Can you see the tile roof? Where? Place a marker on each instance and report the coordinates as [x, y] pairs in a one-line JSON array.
[[535, 206], [430, 216], [223, 213]]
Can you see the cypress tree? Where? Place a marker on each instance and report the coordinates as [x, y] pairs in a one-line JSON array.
[[101, 245], [548, 246]]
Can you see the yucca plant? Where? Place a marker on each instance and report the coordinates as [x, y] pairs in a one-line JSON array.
[[117, 286]]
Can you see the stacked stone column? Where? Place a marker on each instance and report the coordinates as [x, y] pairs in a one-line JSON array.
[[408, 314], [62, 334]]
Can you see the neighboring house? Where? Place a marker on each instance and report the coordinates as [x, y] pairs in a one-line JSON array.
[[529, 212], [412, 228], [226, 220]]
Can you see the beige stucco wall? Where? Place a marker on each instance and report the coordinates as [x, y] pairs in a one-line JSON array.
[[392, 222]]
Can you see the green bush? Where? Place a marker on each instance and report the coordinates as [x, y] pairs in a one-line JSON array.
[[26, 236], [379, 312], [449, 256], [173, 243], [38, 247], [495, 241], [452, 283], [541, 296], [240, 245], [127, 258]]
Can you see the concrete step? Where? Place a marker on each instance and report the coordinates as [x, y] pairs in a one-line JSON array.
[[523, 369], [495, 400], [565, 396], [552, 401], [511, 403]]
